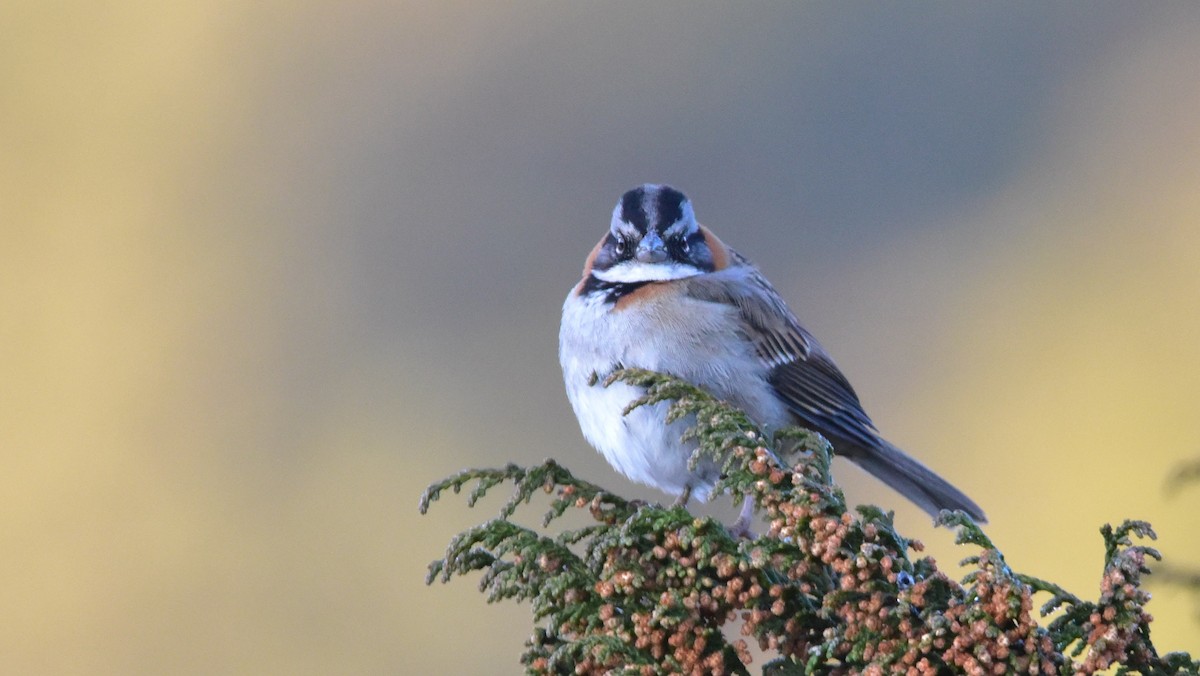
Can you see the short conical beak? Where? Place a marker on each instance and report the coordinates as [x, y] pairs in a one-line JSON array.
[[651, 249]]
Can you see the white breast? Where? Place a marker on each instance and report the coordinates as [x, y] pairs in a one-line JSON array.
[[696, 340]]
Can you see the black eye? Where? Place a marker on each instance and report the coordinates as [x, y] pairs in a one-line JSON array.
[[621, 246], [684, 246]]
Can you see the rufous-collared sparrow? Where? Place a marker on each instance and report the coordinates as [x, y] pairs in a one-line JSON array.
[[661, 292]]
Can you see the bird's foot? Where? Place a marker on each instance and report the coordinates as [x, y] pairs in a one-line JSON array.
[[683, 498], [741, 527]]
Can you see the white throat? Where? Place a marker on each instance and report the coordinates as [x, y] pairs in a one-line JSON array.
[[627, 272]]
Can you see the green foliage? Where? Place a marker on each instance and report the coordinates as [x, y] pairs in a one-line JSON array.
[[645, 589]]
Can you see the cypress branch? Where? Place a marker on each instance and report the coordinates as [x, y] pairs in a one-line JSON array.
[[646, 589]]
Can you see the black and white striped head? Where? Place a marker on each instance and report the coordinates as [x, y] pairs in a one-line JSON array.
[[653, 237]]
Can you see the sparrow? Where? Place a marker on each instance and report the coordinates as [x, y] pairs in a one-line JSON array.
[[662, 292]]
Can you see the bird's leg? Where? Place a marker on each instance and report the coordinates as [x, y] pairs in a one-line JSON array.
[[683, 498], [741, 527]]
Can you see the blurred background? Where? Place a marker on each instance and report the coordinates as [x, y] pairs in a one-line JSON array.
[[269, 269]]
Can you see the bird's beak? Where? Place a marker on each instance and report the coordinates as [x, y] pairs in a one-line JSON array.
[[651, 249]]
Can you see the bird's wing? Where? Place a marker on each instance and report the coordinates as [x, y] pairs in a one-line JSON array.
[[802, 373]]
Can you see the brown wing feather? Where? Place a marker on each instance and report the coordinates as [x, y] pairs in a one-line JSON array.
[[815, 391], [801, 372]]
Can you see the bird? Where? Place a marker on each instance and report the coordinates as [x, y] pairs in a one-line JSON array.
[[662, 292]]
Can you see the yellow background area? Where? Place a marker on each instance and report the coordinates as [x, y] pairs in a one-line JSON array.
[[268, 270]]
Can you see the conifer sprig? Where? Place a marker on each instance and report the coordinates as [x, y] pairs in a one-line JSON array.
[[646, 589]]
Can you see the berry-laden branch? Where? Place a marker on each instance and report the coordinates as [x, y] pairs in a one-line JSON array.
[[645, 589]]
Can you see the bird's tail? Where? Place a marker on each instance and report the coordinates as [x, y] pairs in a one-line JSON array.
[[913, 480]]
